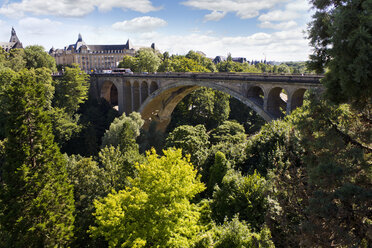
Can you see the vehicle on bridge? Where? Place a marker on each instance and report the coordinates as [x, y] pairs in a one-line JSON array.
[[122, 70]]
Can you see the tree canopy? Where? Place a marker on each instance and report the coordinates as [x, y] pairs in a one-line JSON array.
[[156, 209], [341, 34]]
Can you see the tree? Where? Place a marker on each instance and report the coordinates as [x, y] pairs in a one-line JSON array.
[[246, 116], [202, 60], [237, 234], [6, 77], [118, 165], [123, 132], [228, 132], [15, 60], [202, 106], [217, 171], [156, 210], [148, 61], [36, 57], [245, 196], [89, 183], [337, 145], [129, 62], [71, 89], [36, 199], [273, 147], [64, 126], [283, 68], [230, 139], [192, 141], [318, 160], [341, 34]]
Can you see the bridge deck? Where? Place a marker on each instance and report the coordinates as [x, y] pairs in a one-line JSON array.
[[258, 77]]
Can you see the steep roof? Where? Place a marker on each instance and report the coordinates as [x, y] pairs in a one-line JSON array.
[[97, 48], [14, 42]]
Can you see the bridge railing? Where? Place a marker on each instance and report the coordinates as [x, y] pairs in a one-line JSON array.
[[305, 78]]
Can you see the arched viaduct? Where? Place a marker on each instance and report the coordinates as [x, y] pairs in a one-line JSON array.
[[156, 95]]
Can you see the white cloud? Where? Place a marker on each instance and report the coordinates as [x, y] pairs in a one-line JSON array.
[[279, 15], [280, 26], [298, 5], [37, 26], [243, 8], [69, 8], [215, 16], [140, 24], [279, 46]]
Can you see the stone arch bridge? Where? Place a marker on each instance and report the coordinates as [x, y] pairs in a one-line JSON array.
[[156, 95]]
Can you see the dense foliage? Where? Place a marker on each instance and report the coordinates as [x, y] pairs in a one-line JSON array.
[[341, 34], [156, 210], [36, 202], [224, 178]]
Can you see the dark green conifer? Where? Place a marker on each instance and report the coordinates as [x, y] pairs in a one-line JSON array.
[[36, 200]]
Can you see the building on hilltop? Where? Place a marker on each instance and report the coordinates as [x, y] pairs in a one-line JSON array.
[[13, 42], [219, 59], [92, 57]]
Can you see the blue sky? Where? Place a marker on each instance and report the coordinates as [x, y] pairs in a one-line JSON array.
[[254, 29]]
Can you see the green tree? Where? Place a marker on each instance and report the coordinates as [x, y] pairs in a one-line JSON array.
[[89, 183], [148, 60], [36, 199], [36, 57], [217, 171], [6, 77], [202, 106], [64, 126], [337, 144], [283, 68], [245, 196], [230, 139], [341, 35], [156, 210], [15, 60], [192, 141], [123, 132], [71, 89], [202, 60], [246, 116], [118, 165], [275, 146], [230, 66], [228, 132], [319, 162], [237, 234], [129, 62], [183, 64]]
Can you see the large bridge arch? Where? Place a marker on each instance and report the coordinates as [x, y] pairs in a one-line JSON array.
[[161, 103]]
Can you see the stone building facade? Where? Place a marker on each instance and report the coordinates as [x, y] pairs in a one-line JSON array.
[[92, 58], [13, 42]]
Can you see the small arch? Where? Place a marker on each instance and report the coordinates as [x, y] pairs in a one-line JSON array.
[[277, 102], [297, 99], [110, 93], [256, 94], [127, 97], [136, 96], [153, 87], [144, 91]]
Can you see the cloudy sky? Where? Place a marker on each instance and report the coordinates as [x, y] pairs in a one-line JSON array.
[[245, 28]]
